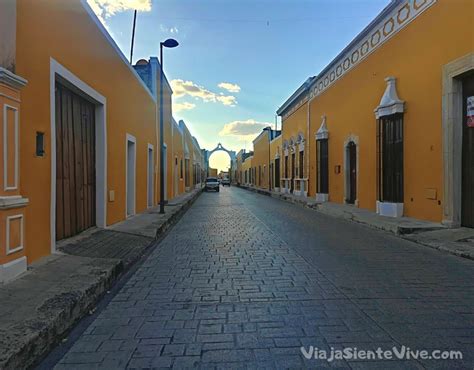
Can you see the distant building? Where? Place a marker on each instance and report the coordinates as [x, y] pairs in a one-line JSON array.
[[212, 172]]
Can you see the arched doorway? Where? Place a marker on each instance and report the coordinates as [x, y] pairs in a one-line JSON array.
[[219, 147]]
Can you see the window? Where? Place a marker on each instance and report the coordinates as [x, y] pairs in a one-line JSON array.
[[301, 164], [259, 175], [390, 158], [277, 172], [186, 170], [40, 144], [181, 169], [286, 167], [322, 177]]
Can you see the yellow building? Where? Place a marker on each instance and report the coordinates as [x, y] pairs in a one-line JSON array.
[[239, 173], [212, 172], [81, 129], [295, 133], [275, 162], [384, 125], [261, 157]]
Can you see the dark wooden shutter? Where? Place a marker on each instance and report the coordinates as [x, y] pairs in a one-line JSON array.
[[390, 162], [277, 172], [467, 198], [75, 163], [323, 166], [352, 148]]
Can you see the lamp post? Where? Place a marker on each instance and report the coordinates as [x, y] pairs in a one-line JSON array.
[[169, 43]]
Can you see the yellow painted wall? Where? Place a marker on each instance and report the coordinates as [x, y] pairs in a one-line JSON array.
[[212, 172], [291, 126], [415, 56], [247, 166], [260, 160], [168, 137], [64, 31], [275, 149], [178, 155], [240, 174]]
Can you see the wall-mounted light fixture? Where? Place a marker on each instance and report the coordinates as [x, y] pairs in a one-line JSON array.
[[40, 144]]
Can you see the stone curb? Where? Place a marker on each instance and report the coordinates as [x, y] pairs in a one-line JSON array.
[[177, 215], [403, 232], [69, 310]]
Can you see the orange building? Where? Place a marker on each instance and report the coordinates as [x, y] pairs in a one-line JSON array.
[[261, 157], [212, 172], [79, 129], [384, 125]]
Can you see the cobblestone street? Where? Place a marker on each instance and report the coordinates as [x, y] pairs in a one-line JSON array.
[[244, 281]]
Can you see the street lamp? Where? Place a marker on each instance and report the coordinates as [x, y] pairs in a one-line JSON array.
[[170, 43]]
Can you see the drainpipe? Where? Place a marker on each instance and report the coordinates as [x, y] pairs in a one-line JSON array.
[[268, 167], [308, 145]]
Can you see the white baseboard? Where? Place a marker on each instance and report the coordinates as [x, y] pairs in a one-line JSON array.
[[322, 197], [11, 270], [389, 209]]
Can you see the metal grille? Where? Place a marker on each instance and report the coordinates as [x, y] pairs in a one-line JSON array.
[[390, 158], [277, 172], [322, 151]]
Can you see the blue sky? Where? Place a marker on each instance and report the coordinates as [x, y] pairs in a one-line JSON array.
[[258, 51]]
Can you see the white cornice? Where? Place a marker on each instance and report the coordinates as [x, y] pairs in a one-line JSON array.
[[323, 132], [390, 102], [11, 79], [396, 16]]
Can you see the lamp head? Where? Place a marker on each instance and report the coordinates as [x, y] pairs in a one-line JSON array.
[[170, 43]]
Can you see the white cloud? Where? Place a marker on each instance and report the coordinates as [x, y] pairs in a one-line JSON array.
[[178, 107], [234, 88], [243, 130], [173, 30], [106, 8], [182, 88]]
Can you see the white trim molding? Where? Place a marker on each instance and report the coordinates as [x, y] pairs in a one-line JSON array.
[[396, 16], [322, 197], [150, 146], [131, 139], [10, 79], [323, 132], [390, 102], [12, 269], [452, 121], [7, 234], [389, 209], [63, 75], [6, 163], [14, 201]]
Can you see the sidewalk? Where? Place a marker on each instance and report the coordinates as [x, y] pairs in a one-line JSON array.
[[42, 305], [459, 242]]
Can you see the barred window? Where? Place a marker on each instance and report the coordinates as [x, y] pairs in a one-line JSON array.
[[390, 158], [322, 178]]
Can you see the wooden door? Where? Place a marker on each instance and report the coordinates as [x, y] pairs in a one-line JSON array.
[[467, 195], [292, 184], [277, 172], [352, 156], [75, 163]]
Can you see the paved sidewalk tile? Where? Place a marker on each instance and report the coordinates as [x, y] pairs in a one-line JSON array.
[[245, 281]]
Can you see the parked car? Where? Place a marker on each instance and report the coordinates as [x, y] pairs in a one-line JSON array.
[[225, 181], [212, 183]]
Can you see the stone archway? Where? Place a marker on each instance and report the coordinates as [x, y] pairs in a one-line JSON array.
[[232, 155]]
